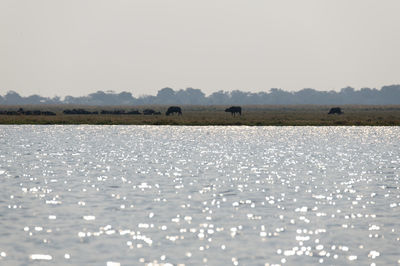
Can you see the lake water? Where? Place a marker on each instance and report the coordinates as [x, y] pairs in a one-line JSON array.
[[134, 195]]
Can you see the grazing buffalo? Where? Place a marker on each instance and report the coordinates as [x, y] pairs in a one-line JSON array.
[[134, 112], [174, 109], [148, 111], [78, 112], [114, 112], [36, 112], [11, 113], [335, 110], [21, 111], [234, 109], [48, 113]]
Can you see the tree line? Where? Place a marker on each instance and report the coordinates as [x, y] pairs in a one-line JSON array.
[[387, 95]]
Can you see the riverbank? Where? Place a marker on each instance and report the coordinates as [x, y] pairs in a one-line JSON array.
[[265, 115]]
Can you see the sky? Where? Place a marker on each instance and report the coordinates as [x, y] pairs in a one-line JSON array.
[[76, 47]]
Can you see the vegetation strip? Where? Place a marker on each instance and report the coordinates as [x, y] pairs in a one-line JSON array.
[[256, 115]]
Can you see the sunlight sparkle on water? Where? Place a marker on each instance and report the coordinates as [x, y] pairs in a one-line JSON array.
[[123, 195]]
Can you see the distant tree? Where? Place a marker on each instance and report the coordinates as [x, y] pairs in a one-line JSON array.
[[108, 98], [219, 97], [56, 100], [258, 98], [190, 96], [146, 99], [279, 96], [308, 96], [13, 98], [332, 97], [125, 98], [166, 96], [69, 99], [368, 96], [348, 95], [390, 94], [387, 95], [36, 99], [240, 97], [98, 98]]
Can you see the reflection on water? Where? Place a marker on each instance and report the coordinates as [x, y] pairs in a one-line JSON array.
[[128, 195]]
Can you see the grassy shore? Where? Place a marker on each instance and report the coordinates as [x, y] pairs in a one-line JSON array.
[[257, 115]]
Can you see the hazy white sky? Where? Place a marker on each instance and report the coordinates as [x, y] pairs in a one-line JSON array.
[[75, 47]]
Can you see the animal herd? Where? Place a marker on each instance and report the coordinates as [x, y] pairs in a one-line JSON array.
[[170, 111], [21, 111]]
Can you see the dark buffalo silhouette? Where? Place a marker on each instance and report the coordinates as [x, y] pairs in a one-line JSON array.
[[21, 111], [113, 112], [234, 109], [335, 110], [48, 113], [79, 112], [12, 113], [174, 109], [148, 112], [134, 112]]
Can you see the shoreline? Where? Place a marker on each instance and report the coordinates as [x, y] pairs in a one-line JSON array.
[[264, 115]]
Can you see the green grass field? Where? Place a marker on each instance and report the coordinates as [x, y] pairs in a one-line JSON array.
[[257, 115]]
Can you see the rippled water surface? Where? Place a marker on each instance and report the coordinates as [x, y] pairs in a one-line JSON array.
[[132, 195]]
